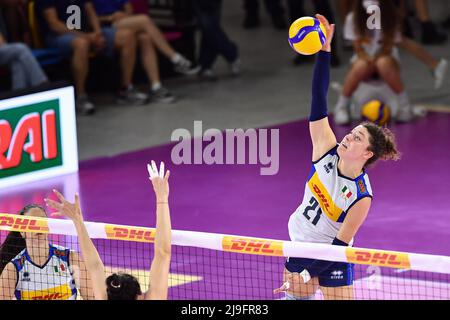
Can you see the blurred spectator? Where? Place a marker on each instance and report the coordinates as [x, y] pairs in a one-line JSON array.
[[274, 8], [15, 15], [214, 41], [119, 15], [25, 70], [437, 67], [430, 34], [344, 7], [78, 44], [297, 10], [376, 56]]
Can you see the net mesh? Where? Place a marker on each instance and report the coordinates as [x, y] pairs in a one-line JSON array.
[[205, 274]]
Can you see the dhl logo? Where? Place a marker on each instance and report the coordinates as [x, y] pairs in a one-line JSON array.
[[11, 222], [323, 199], [253, 246], [379, 258], [326, 202], [130, 233], [62, 292], [52, 296]]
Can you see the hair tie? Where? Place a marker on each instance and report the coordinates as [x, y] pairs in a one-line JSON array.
[[115, 286]]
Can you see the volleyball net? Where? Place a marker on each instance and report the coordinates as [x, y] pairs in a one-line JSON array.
[[206, 266]]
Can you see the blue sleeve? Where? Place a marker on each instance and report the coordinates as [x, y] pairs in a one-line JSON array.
[[321, 81], [319, 266]]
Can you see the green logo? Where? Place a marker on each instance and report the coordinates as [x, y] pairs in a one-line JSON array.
[[30, 138]]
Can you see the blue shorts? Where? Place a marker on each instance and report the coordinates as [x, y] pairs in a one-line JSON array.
[[64, 42], [339, 274]]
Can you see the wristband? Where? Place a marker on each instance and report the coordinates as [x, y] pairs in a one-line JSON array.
[[305, 276]]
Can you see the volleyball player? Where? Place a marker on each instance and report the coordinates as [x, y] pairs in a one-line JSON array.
[[34, 269], [337, 195], [124, 286]]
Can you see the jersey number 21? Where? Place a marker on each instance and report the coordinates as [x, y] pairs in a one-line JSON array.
[[314, 205]]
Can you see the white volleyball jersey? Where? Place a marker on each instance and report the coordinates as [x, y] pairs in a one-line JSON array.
[[52, 281], [327, 199]]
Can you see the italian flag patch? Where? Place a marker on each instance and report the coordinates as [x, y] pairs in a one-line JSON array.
[[346, 193]]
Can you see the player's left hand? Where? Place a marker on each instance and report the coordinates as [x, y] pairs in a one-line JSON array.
[[160, 181]]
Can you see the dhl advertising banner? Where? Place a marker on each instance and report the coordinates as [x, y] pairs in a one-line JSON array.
[[232, 243], [127, 233], [252, 246], [37, 136], [13, 222], [378, 258]]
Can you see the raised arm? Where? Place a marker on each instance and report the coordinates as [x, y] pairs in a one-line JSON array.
[[323, 138], [159, 271], [92, 260], [8, 280]]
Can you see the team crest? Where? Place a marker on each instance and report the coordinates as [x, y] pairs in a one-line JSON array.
[[361, 187]]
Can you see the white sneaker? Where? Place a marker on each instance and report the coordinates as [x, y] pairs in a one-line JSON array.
[[419, 111], [84, 106], [439, 73], [404, 114], [236, 67], [341, 116]]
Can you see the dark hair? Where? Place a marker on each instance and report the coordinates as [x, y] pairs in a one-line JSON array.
[[390, 20], [122, 286], [382, 143], [14, 242]]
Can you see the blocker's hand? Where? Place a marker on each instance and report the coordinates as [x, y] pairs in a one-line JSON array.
[[160, 181], [65, 208]]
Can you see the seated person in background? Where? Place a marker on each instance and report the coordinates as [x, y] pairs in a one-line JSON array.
[[25, 70], [118, 14], [376, 56], [78, 44]]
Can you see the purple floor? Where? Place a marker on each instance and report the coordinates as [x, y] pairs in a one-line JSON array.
[[410, 212]]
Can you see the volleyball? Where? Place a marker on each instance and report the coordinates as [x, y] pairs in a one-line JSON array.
[[307, 35], [376, 111]]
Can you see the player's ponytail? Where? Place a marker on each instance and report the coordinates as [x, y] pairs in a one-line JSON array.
[[14, 242], [382, 144], [122, 286]]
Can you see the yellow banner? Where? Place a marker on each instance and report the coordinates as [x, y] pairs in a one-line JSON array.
[[326, 202], [58, 293], [380, 258], [15, 222], [253, 246], [138, 234]]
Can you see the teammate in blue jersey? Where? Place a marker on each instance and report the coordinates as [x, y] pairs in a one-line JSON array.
[[337, 194], [120, 286]]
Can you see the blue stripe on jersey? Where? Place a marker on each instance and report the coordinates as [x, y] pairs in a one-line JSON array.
[[361, 187], [342, 217], [311, 173], [19, 266]]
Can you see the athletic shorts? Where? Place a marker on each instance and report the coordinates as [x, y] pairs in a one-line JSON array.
[[339, 274]]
